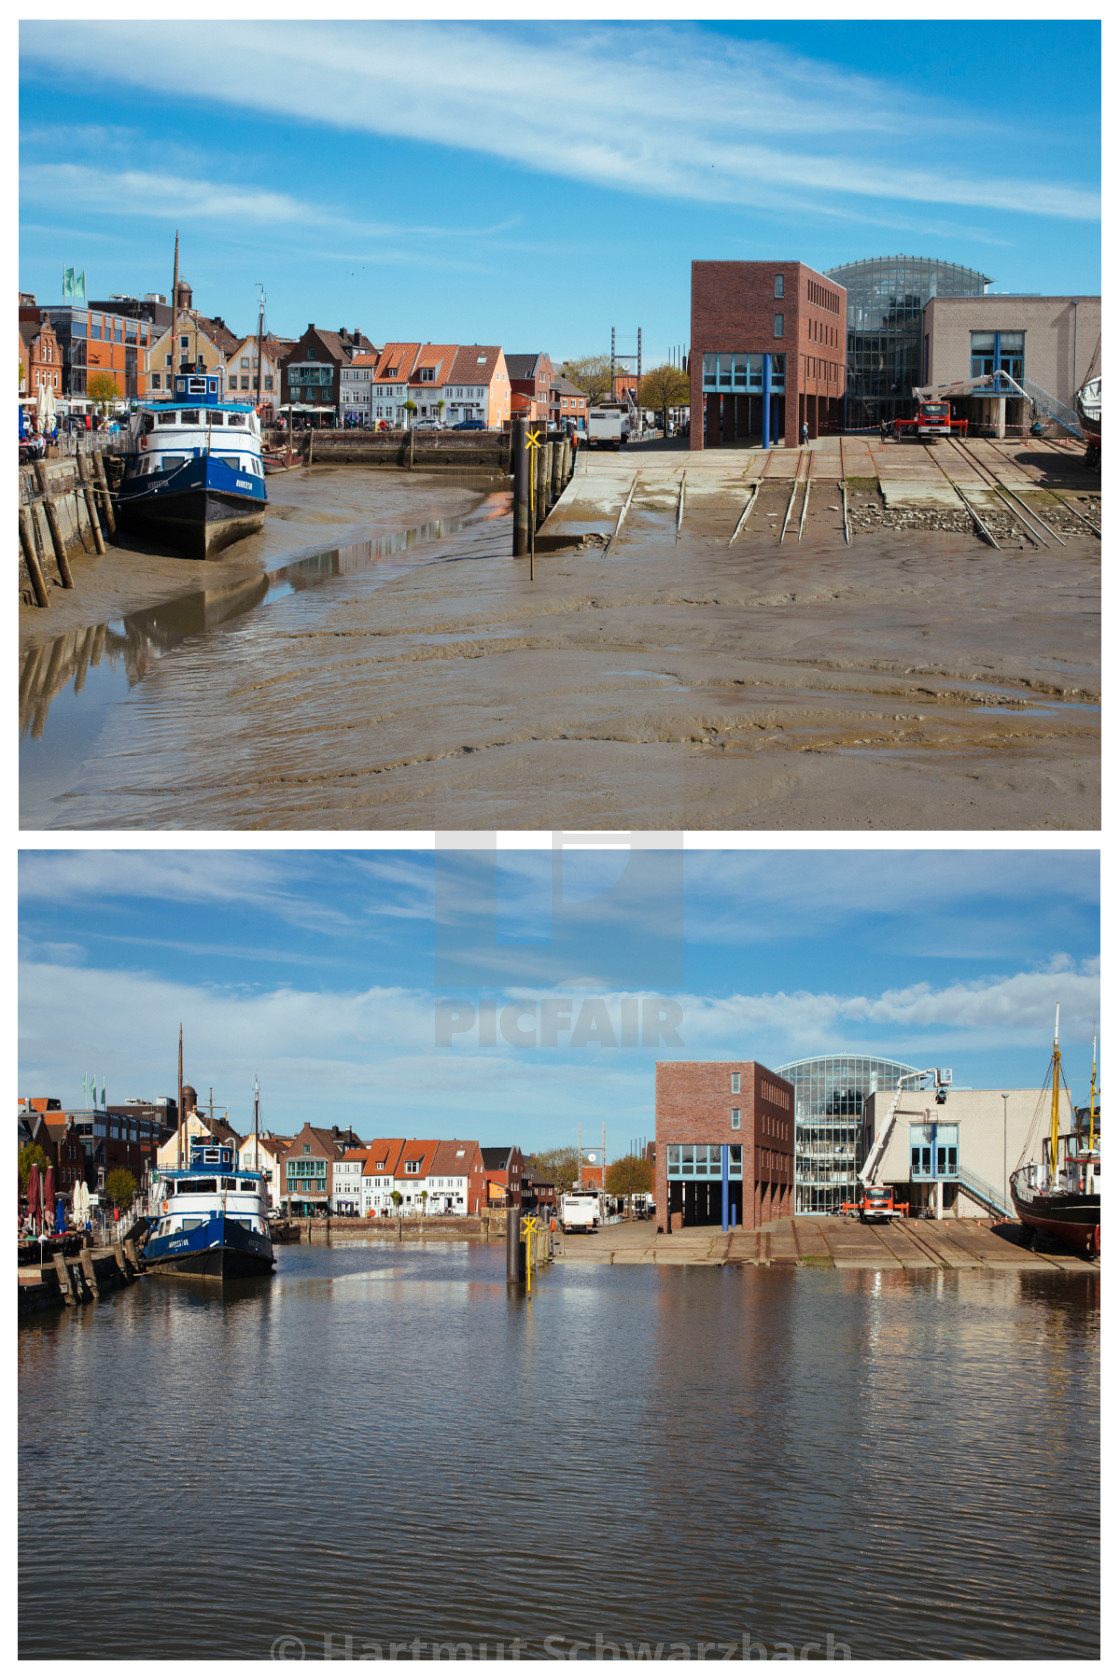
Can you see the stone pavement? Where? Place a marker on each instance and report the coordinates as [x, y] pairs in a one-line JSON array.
[[911, 1245]]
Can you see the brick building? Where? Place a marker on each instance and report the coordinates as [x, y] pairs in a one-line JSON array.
[[768, 352], [531, 378], [505, 1171], [703, 1107], [567, 402], [40, 353]]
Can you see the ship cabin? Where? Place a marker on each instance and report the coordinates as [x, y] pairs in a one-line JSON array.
[[211, 1183]]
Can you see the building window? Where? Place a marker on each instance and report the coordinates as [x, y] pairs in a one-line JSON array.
[[1011, 345], [779, 285], [268, 382], [735, 1084], [779, 326], [734, 1119]]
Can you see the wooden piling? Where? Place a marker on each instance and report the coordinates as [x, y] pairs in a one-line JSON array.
[[557, 450], [130, 1251], [89, 1274], [91, 504], [103, 486], [63, 1273], [519, 466], [31, 559], [118, 1256], [58, 542]]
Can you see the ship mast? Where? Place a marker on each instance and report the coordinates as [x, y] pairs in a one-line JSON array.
[[179, 1111], [256, 1125], [1056, 1064], [174, 321], [260, 349], [1093, 1097]]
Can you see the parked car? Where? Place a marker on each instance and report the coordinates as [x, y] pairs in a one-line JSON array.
[[469, 425], [427, 425]]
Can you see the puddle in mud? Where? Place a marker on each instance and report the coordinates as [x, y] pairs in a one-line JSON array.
[[68, 686]]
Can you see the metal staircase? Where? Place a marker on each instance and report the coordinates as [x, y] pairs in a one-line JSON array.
[[986, 1194], [1065, 416]]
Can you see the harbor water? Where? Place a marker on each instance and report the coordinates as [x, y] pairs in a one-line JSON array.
[[381, 1452]]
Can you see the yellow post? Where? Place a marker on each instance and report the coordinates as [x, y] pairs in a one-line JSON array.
[[528, 1230], [534, 442]]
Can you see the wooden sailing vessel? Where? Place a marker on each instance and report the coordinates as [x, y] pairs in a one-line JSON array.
[[1059, 1193]]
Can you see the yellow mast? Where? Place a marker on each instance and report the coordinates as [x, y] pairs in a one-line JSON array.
[[1056, 1064], [1093, 1095]]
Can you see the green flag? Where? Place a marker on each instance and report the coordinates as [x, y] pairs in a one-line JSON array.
[[67, 283]]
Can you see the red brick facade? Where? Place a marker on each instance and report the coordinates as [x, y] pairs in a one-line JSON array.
[[694, 1105], [734, 306]]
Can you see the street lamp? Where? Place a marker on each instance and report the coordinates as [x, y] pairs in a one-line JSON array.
[[1003, 1186]]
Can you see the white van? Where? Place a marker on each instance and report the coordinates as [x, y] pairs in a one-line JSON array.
[[580, 1210]]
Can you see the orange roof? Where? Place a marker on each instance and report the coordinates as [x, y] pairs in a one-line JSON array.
[[363, 361], [420, 1150], [355, 1154], [400, 357], [439, 356], [382, 1155]]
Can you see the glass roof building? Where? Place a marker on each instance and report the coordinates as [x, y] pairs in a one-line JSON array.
[[829, 1092], [886, 296]]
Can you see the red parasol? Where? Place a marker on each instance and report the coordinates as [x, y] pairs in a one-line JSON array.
[[48, 1198], [33, 1194]]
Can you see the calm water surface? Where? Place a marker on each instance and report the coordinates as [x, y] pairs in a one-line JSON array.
[[378, 1445]]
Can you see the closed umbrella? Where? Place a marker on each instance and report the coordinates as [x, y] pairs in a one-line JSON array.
[[60, 1215], [48, 1199], [33, 1196]]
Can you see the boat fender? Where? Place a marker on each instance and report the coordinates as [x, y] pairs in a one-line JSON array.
[[143, 443], [163, 1207]]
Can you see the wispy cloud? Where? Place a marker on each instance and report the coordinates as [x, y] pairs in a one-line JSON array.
[[184, 197], [669, 111]]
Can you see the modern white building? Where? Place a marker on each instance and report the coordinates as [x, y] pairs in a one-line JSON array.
[[952, 1158]]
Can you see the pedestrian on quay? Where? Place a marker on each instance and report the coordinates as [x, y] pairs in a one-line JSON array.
[[804, 432]]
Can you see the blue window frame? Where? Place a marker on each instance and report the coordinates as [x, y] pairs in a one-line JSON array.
[[703, 1160], [934, 1151], [739, 371]]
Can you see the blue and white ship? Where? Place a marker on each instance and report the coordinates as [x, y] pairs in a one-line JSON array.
[[212, 1219], [193, 469]]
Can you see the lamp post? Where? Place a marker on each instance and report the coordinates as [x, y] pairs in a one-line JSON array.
[[1003, 1186]]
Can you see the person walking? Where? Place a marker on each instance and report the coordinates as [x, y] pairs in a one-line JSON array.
[[804, 432]]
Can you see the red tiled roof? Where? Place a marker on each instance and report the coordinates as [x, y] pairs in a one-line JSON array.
[[382, 1156], [476, 364], [401, 358], [439, 356], [448, 1161], [417, 1149]]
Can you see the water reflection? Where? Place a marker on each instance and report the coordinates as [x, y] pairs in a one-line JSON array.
[[131, 647], [640, 1454]]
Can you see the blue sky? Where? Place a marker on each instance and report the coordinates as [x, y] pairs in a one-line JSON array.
[[317, 970], [533, 185]]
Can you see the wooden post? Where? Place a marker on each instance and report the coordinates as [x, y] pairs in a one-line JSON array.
[[103, 485], [519, 467], [133, 1257], [89, 1274], [64, 1280], [118, 1256], [91, 505], [59, 542], [557, 470], [542, 484], [310, 445], [35, 571]]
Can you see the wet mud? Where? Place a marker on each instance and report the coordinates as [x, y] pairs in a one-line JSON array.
[[915, 679]]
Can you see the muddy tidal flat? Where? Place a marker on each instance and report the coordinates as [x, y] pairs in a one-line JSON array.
[[376, 659]]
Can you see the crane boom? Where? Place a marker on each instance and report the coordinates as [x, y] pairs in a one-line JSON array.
[[1000, 384], [940, 1076]]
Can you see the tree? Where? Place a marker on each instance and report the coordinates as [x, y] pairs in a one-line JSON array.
[[664, 387], [630, 1175], [101, 388], [410, 408], [120, 1187], [396, 1198], [559, 1166], [423, 1201], [592, 375], [29, 1154], [440, 406]]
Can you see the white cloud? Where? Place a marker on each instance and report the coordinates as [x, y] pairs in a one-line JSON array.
[[660, 110]]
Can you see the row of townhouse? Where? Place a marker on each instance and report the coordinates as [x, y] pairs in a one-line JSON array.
[[324, 378], [319, 1171], [406, 383]]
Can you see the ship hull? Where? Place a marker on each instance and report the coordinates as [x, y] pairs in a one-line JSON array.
[[1071, 1219], [218, 1247], [200, 509]]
